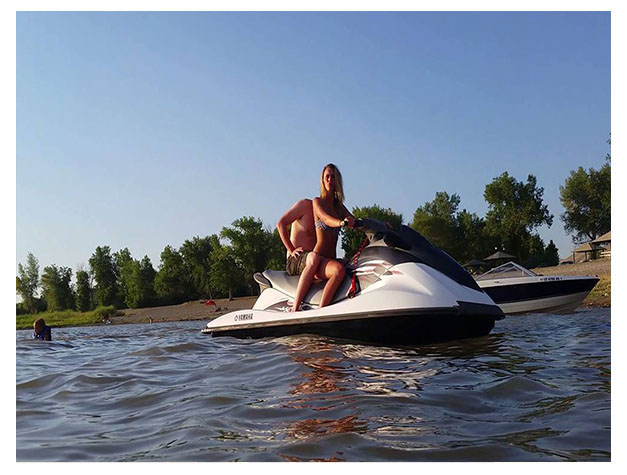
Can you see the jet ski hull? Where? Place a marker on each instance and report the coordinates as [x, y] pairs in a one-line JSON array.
[[406, 327]]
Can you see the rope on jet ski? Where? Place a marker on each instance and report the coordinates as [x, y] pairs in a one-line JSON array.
[[353, 290]]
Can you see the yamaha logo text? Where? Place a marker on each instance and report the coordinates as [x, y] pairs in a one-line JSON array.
[[243, 316]]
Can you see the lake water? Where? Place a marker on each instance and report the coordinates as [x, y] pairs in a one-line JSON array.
[[536, 389]]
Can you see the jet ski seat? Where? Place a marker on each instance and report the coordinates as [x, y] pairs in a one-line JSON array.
[[287, 284]]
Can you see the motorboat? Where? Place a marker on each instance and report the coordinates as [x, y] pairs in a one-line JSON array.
[[516, 289], [400, 289]]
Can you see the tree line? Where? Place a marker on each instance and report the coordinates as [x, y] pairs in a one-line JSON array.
[[222, 265], [203, 267]]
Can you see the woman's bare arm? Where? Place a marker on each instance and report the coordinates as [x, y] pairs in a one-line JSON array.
[[325, 217], [346, 213], [350, 219]]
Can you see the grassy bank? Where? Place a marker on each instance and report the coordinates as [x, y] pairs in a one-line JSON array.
[[601, 295], [66, 318]]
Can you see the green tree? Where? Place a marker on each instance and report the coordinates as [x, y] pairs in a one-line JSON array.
[[250, 247], [608, 155], [172, 283], [28, 282], [141, 284], [535, 251], [551, 255], [104, 271], [226, 274], [197, 259], [55, 283], [68, 298], [515, 210], [437, 221], [353, 238], [276, 251], [475, 242], [124, 265], [586, 197], [461, 234], [83, 291]]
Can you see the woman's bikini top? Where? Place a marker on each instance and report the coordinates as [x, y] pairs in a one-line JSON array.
[[321, 225]]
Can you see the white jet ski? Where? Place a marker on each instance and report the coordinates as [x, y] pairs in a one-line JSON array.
[[407, 291]]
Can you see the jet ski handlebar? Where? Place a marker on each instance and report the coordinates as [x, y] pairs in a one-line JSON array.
[[370, 225], [376, 230]]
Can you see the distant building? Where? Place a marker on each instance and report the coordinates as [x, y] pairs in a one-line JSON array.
[[605, 244], [600, 247], [584, 253]]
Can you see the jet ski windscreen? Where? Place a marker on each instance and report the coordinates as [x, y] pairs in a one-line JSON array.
[[436, 257]]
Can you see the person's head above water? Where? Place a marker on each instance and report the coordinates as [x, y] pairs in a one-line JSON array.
[[39, 325], [42, 331], [331, 182]]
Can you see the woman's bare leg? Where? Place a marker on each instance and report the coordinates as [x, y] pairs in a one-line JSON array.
[[335, 272], [307, 276]]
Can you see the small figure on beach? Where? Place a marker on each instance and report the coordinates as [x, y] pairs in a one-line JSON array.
[[150, 319], [41, 330]]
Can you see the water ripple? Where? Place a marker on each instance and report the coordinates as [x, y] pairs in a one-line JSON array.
[[537, 388]]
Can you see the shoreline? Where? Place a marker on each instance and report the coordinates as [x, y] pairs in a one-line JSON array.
[[599, 297], [157, 317], [188, 311], [158, 313], [136, 319]]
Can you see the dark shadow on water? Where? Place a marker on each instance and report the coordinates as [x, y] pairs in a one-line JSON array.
[[462, 348]]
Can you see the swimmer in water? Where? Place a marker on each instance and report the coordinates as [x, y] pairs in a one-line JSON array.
[[41, 330]]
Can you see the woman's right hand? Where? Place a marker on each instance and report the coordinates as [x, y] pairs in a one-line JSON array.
[[296, 252]]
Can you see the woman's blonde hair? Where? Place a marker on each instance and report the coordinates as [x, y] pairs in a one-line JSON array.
[[339, 187]]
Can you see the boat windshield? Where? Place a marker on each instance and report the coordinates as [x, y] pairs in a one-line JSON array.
[[509, 270]]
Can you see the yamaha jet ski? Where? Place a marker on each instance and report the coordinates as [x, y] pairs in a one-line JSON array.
[[401, 289]]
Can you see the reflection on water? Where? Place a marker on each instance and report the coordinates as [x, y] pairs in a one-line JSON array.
[[323, 386], [537, 388]]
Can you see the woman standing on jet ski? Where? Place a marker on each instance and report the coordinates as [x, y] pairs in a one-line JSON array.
[[330, 215]]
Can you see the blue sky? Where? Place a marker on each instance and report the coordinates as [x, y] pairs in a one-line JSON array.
[[145, 129]]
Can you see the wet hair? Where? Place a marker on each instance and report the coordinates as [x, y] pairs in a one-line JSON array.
[[338, 199], [39, 324]]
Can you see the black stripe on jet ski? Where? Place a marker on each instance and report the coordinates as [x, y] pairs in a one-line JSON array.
[[410, 326], [401, 330], [538, 290]]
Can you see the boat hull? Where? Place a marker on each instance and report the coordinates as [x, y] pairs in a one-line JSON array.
[[559, 304], [561, 295]]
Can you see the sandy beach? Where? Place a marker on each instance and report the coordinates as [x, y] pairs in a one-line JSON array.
[[195, 310]]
